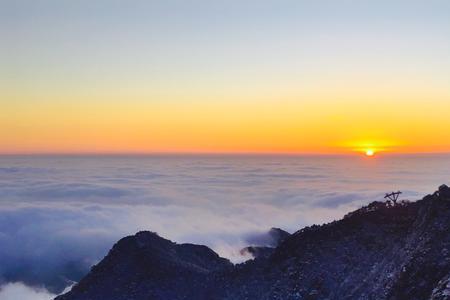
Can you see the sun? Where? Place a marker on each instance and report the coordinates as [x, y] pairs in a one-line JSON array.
[[370, 152]]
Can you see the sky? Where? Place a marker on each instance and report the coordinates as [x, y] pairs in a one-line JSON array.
[[224, 76]]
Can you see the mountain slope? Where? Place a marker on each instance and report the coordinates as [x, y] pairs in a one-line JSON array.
[[146, 264], [380, 251]]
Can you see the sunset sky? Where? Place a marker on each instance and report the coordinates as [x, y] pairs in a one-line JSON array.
[[224, 76]]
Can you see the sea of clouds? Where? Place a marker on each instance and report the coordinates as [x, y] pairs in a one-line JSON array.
[[60, 215]]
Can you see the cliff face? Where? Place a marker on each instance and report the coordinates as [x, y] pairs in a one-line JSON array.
[[377, 252]]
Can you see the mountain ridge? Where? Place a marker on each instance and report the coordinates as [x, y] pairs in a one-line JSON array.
[[381, 251]]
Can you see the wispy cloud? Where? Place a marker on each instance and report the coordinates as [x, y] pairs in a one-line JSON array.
[[73, 190]]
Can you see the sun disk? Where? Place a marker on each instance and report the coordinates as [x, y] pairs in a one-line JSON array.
[[370, 152]]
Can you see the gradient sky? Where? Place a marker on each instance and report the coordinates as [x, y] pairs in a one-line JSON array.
[[224, 76]]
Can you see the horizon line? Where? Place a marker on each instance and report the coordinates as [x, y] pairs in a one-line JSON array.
[[214, 153]]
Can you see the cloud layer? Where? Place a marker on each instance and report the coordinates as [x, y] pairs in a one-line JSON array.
[[60, 215]]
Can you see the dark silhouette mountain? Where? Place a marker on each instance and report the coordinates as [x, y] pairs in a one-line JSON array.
[[278, 236], [264, 246], [381, 251]]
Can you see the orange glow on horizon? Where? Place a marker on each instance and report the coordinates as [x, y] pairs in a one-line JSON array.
[[254, 125]]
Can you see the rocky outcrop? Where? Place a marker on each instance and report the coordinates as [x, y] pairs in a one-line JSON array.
[[380, 251], [266, 246]]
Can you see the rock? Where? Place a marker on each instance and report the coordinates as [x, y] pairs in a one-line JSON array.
[[444, 191], [263, 245], [278, 235]]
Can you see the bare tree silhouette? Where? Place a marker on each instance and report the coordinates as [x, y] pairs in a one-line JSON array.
[[392, 197]]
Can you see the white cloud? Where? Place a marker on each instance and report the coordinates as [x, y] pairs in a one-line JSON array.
[[19, 291]]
